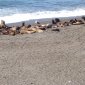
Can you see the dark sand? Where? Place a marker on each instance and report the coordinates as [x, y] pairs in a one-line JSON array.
[[48, 58]]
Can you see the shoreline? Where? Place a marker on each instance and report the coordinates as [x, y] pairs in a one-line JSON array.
[[39, 25], [42, 21]]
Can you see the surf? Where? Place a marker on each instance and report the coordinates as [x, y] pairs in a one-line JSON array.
[[18, 17]]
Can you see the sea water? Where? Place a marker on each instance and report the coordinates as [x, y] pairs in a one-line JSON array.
[[21, 10]]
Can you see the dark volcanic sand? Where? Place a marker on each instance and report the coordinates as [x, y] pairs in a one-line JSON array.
[[48, 58]]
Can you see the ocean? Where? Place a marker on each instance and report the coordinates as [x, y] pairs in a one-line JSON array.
[[21, 10]]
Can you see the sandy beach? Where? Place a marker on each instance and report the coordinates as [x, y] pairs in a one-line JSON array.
[[47, 58]]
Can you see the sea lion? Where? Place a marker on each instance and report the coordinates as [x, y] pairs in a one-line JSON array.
[[2, 24], [23, 24], [78, 22], [57, 20], [53, 21], [29, 26], [39, 30], [42, 28], [5, 32], [72, 21], [12, 33], [60, 24], [83, 17], [56, 29], [48, 25], [66, 23], [25, 30]]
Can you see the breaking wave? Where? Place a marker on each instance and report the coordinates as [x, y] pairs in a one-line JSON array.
[[41, 15]]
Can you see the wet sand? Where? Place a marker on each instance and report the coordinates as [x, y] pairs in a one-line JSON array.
[[48, 58]]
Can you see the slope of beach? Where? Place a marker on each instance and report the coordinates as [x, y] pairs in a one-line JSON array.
[[48, 58]]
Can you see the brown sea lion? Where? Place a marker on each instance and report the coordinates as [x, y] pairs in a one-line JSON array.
[[2, 24], [78, 22], [60, 24], [25, 30], [66, 23]]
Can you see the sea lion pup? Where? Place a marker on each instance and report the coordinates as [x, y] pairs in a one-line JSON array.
[[60, 24], [66, 23]]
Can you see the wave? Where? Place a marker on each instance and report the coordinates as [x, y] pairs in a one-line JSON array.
[[41, 15]]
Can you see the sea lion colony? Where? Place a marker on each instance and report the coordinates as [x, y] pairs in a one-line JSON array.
[[23, 29]]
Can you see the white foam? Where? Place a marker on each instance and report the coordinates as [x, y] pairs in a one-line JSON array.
[[43, 14]]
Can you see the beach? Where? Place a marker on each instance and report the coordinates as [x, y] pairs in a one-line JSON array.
[[42, 42], [47, 58]]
